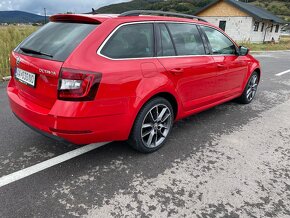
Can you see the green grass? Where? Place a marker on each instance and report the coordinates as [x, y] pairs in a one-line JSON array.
[[284, 44], [10, 37]]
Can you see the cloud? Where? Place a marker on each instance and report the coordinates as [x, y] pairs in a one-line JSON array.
[[55, 6]]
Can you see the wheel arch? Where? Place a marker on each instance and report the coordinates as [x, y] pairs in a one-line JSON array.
[[169, 97], [174, 101], [258, 70]]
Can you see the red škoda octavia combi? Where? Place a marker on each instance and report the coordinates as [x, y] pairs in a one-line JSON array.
[[94, 78]]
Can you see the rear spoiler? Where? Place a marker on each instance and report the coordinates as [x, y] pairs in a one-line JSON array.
[[76, 18]]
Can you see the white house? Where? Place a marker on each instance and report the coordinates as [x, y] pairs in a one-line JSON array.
[[243, 21]]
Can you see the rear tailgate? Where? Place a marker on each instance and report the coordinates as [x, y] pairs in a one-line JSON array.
[[36, 63], [44, 91]]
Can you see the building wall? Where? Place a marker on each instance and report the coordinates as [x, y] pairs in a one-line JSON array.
[[239, 25], [221, 9], [259, 36], [242, 29], [238, 28]]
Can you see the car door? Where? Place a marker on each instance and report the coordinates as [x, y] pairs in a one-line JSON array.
[[181, 51], [231, 68]]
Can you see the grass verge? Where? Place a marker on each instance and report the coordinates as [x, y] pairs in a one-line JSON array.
[[10, 37], [283, 44]]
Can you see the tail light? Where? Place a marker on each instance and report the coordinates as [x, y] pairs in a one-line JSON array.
[[78, 85]]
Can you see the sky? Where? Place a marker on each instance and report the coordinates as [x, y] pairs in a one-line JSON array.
[[54, 6]]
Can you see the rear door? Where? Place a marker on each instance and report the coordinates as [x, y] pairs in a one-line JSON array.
[[231, 68], [37, 61], [182, 52]]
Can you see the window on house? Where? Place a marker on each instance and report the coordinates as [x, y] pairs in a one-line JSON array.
[[277, 29], [222, 25], [256, 26], [262, 28], [271, 30]]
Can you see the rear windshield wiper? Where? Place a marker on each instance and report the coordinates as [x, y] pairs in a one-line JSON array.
[[31, 51]]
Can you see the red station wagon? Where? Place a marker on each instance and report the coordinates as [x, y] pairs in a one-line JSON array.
[[86, 78]]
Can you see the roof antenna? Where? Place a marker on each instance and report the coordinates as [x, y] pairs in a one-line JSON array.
[[94, 11]]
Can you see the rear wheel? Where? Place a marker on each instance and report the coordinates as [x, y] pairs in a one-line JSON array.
[[152, 126], [250, 89]]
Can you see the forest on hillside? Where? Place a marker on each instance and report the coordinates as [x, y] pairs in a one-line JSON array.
[[278, 7]]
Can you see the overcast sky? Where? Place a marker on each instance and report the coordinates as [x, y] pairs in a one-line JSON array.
[[54, 6]]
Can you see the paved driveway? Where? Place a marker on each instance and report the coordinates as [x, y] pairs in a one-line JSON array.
[[232, 160]]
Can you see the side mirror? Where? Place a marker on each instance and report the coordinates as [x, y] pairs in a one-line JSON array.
[[243, 51]]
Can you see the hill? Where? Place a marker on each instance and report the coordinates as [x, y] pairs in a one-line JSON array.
[[183, 6], [19, 17], [281, 7], [278, 7]]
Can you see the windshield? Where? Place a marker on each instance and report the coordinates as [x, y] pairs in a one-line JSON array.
[[55, 41]]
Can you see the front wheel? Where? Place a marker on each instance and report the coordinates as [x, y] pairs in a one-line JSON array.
[[250, 89], [152, 126]]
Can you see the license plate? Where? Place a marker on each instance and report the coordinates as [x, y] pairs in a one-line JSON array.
[[25, 77]]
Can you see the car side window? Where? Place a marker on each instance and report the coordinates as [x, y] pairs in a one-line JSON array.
[[186, 38], [131, 41], [219, 43], [166, 42]]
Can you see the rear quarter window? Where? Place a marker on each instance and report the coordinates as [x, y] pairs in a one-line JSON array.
[[130, 41], [56, 39]]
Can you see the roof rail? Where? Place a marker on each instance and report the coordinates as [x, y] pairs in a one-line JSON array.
[[140, 12]]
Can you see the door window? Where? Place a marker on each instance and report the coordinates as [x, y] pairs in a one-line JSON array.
[[131, 41], [219, 43], [166, 42], [186, 39]]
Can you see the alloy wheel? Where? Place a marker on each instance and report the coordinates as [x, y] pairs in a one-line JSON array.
[[156, 125], [252, 87]]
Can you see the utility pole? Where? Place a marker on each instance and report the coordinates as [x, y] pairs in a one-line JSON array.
[[44, 15]]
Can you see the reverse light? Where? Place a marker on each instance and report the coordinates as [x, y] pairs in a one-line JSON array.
[[70, 84], [78, 85]]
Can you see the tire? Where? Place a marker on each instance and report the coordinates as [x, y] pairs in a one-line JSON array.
[[250, 90], [152, 126]]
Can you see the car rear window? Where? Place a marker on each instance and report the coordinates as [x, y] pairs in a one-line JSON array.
[[56, 39]]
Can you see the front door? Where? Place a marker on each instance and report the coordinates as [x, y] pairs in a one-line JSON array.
[[231, 68]]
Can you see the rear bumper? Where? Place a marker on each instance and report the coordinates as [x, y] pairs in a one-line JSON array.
[[75, 122], [44, 133]]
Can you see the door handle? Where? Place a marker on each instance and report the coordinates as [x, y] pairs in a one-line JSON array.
[[176, 71], [221, 66]]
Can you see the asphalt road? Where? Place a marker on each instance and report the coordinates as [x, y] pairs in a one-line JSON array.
[[230, 161]]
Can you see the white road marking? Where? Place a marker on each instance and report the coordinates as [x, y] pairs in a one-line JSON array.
[[282, 73], [5, 180]]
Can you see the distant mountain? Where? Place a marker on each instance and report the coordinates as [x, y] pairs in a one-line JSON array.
[[19, 17]]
